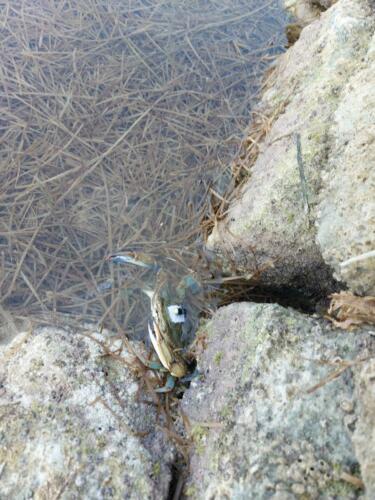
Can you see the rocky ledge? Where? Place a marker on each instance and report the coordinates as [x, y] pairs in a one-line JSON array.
[[285, 407], [75, 423], [306, 214]]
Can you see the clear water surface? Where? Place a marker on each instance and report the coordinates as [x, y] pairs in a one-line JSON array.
[[117, 117]]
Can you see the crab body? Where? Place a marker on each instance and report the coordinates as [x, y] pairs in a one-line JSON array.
[[166, 331], [168, 355], [165, 334]]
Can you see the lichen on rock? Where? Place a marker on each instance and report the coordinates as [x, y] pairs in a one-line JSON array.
[[263, 425], [72, 424], [306, 11], [346, 212], [322, 86], [364, 436]]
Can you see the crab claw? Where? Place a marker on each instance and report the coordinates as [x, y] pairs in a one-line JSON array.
[[160, 347], [131, 258], [151, 334]]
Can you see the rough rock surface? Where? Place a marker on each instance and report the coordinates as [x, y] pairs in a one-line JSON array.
[[322, 90], [72, 424], [364, 435], [346, 213], [259, 431], [307, 11], [324, 4]]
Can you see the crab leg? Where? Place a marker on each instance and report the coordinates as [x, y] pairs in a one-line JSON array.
[[169, 385]]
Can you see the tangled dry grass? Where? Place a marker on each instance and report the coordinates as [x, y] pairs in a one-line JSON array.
[[116, 118]]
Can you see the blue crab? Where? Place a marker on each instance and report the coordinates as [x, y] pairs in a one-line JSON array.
[[169, 319]]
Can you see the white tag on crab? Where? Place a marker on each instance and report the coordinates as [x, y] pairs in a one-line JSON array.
[[177, 314]]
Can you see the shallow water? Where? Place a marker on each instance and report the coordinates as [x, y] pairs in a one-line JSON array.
[[117, 119]]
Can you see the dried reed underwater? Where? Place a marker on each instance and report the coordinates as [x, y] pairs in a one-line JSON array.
[[116, 119]]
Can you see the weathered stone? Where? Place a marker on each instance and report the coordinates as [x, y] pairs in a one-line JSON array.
[[262, 424], [364, 435], [307, 11], [322, 83], [325, 4], [303, 10], [346, 213], [72, 423]]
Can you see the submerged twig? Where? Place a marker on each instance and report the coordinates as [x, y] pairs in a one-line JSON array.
[[113, 125]]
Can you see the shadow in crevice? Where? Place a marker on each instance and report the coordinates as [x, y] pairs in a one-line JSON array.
[[296, 298]]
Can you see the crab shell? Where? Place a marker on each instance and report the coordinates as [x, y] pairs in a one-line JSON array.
[[167, 355]]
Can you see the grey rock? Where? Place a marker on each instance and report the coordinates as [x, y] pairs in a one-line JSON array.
[[325, 4], [305, 11], [73, 424], [260, 428], [321, 91], [364, 436], [346, 213]]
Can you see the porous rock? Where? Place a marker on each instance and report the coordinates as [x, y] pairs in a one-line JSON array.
[[324, 4], [307, 11], [322, 90], [73, 424], [364, 435], [264, 423], [346, 212]]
